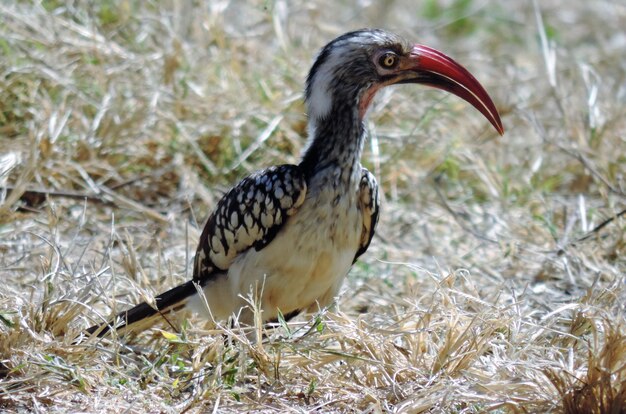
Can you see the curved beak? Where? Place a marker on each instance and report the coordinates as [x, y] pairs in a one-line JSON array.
[[433, 68]]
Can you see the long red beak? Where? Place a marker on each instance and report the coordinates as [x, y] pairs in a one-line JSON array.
[[435, 69]]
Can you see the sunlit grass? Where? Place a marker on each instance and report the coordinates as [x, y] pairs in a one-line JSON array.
[[122, 123]]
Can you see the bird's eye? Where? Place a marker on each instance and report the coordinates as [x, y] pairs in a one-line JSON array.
[[388, 60]]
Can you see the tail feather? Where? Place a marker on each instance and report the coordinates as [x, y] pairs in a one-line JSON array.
[[172, 300]]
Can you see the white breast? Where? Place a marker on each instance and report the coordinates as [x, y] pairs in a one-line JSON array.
[[302, 268]]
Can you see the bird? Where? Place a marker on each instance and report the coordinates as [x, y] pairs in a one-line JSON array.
[[288, 235]]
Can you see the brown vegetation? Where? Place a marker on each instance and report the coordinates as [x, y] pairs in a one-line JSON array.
[[485, 289]]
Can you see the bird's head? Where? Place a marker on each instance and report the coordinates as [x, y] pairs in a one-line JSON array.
[[352, 68]]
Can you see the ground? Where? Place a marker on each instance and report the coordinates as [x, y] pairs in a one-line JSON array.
[[490, 285]]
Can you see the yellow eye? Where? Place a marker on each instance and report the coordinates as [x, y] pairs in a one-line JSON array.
[[388, 60]]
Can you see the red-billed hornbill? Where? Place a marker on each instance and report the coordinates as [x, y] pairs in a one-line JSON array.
[[288, 235]]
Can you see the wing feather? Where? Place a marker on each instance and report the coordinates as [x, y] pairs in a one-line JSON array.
[[248, 216], [369, 203]]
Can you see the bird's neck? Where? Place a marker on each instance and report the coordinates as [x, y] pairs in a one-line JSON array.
[[335, 145]]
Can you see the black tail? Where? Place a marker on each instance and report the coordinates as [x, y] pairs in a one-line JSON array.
[[173, 299]]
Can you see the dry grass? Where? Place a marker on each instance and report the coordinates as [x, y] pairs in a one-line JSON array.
[[476, 295]]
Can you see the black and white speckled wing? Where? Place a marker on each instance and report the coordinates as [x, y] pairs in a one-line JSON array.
[[248, 216], [369, 203]]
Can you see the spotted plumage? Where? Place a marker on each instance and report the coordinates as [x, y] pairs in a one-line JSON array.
[[286, 237], [248, 216], [369, 204]]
